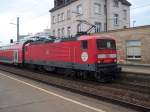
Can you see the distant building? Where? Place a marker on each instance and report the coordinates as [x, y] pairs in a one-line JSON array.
[[105, 14], [21, 37], [45, 32]]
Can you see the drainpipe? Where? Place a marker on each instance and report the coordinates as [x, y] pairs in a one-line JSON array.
[[106, 16]]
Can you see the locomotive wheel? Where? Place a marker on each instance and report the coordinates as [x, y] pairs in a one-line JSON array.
[[83, 75], [99, 78], [73, 73], [49, 68], [31, 66], [80, 75], [77, 75]]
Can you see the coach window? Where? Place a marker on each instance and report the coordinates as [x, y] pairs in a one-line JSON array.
[[84, 44]]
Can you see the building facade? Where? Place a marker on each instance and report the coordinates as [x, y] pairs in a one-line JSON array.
[[105, 14], [133, 44]]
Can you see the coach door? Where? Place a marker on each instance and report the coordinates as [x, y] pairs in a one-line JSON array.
[[15, 56]]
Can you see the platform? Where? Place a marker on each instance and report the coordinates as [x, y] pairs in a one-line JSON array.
[[18, 94], [136, 69]]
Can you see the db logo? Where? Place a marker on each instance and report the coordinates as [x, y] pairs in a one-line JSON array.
[[84, 56], [47, 52]]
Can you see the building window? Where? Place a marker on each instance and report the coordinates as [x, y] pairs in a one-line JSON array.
[[79, 9], [105, 11], [69, 31], [116, 19], [98, 27], [97, 8], [53, 32], [133, 49], [62, 17], [125, 14], [53, 20], [116, 3], [58, 32], [62, 32], [58, 18], [68, 14], [79, 28]]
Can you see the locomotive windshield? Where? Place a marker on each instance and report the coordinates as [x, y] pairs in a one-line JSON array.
[[105, 44]]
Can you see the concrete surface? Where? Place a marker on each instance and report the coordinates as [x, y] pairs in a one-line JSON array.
[[18, 94], [136, 69]]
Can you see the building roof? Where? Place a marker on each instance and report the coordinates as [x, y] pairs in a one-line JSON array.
[[63, 5], [125, 2]]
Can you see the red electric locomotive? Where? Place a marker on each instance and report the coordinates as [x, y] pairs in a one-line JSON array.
[[82, 55]]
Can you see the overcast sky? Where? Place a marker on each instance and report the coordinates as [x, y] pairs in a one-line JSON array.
[[34, 16]]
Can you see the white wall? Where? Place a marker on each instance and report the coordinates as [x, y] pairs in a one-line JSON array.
[[90, 16]]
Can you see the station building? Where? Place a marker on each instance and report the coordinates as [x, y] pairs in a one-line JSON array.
[[105, 14]]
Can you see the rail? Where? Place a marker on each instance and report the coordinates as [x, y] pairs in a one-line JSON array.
[[136, 96]]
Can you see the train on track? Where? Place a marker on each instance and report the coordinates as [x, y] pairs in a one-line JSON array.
[[84, 55]]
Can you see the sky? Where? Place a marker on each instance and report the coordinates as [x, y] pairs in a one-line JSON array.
[[34, 16]]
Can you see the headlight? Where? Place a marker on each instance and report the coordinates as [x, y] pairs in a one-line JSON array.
[[101, 56], [113, 55]]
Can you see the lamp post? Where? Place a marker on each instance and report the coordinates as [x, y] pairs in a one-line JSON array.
[[17, 28]]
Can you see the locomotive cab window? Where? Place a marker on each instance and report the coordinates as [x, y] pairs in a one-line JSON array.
[[84, 44], [105, 44]]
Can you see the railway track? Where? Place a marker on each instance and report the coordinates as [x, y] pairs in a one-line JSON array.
[[137, 96]]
